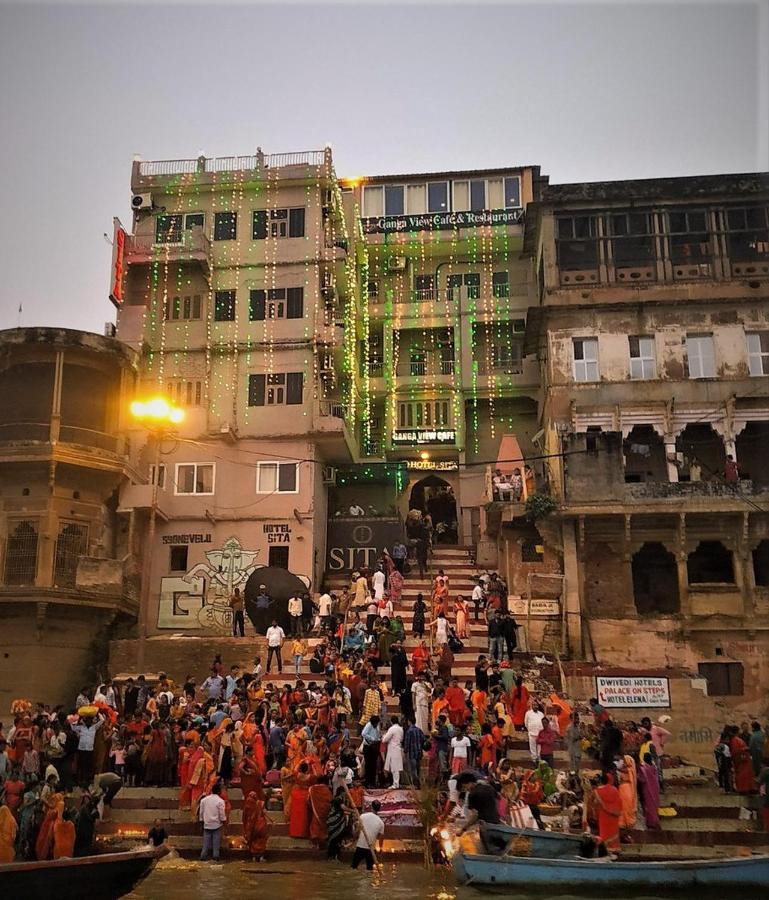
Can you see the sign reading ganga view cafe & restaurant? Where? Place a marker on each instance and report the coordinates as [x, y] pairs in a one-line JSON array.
[[624, 692], [440, 221]]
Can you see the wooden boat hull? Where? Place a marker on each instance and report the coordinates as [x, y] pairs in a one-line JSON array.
[[585, 875], [102, 877], [530, 842]]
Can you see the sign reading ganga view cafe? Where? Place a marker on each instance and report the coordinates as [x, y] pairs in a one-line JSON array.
[[440, 221], [643, 692]]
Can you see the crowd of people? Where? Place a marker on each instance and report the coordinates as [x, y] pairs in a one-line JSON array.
[[339, 727]]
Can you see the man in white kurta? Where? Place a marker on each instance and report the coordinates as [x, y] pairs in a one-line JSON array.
[[378, 584], [420, 693], [393, 740]]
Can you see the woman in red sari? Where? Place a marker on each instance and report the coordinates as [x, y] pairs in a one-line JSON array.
[[44, 842], [63, 834], [744, 780], [320, 806], [609, 809], [440, 598], [14, 792], [256, 825], [420, 659], [251, 775], [299, 817]]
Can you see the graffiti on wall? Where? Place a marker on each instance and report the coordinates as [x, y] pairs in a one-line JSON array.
[[200, 598]]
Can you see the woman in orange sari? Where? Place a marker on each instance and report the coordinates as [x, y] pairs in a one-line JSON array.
[[519, 703], [299, 818], [8, 831], [420, 659], [63, 834], [44, 841], [609, 809], [628, 791], [480, 700], [295, 744], [202, 774], [256, 825], [320, 806], [460, 608], [440, 598]]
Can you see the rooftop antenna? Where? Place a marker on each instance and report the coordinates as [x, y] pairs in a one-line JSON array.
[[18, 324]]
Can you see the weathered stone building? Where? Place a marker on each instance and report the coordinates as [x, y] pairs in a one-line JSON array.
[[69, 568], [652, 334]]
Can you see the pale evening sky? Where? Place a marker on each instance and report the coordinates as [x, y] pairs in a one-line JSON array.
[[586, 91]]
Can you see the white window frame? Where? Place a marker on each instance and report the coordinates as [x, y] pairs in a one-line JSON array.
[[402, 186], [520, 185], [758, 359], [371, 188], [644, 366], [432, 212], [697, 340], [467, 181], [276, 464], [185, 227], [581, 367], [193, 493]]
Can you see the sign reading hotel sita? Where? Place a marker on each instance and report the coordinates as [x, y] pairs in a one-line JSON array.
[[441, 221], [620, 693]]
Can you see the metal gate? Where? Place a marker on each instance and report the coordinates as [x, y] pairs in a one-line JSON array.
[[71, 544], [21, 553]]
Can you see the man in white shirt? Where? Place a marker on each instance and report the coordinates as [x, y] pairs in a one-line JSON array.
[[324, 609], [478, 597], [393, 740], [460, 745], [371, 829], [295, 611], [532, 722], [213, 816], [275, 638]]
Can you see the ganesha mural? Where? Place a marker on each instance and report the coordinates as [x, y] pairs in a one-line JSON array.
[[200, 598]]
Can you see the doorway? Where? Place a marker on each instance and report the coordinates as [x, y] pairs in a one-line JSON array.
[[435, 496]]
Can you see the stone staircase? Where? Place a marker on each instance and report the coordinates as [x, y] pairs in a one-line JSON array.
[[708, 823]]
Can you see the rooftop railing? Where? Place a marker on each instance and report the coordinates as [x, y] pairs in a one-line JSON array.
[[161, 167]]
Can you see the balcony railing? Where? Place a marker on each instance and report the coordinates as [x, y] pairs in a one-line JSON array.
[[40, 432], [425, 368], [331, 408], [676, 490], [192, 241], [163, 167]]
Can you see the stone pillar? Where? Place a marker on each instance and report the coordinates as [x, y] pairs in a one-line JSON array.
[[683, 584], [670, 458], [742, 580], [571, 591]]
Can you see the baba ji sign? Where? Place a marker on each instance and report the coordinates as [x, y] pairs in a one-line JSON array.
[[621, 693]]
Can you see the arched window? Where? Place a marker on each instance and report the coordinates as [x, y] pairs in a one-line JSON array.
[[710, 563], [655, 580]]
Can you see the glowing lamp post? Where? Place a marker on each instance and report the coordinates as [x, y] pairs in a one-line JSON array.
[[157, 415]]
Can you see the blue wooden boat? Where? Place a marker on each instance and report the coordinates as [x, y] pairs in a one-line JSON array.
[[527, 874], [105, 876], [500, 839]]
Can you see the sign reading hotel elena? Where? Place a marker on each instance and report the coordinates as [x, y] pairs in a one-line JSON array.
[[440, 221], [621, 693]]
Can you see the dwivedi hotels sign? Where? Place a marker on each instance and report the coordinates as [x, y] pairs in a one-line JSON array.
[[620, 693]]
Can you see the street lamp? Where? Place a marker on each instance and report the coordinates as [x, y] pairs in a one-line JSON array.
[[156, 415]]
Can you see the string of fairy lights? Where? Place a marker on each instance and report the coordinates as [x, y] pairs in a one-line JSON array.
[[443, 348]]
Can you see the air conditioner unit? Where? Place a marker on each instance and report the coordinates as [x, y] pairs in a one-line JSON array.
[[109, 329], [396, 264], [141, 201], [329, 475]]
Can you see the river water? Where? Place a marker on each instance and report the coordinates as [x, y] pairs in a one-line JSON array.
[[180, 879]]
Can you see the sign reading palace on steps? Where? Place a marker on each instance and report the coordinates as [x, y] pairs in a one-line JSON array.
[[356, 542], [440, 221]]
